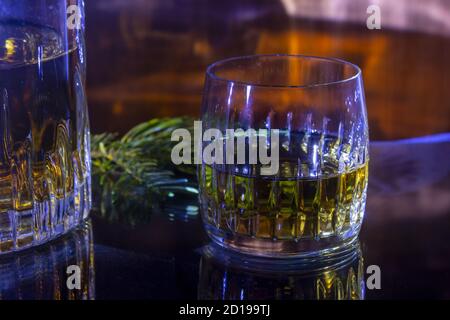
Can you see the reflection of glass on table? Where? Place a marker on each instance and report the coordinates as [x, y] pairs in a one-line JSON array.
[[41, 273], [228, 276]]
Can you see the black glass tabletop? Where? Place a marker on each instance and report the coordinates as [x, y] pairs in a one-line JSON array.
[[403, 249]]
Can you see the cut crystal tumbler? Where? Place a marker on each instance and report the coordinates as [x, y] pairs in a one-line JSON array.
[[307, 115], [44, 127]]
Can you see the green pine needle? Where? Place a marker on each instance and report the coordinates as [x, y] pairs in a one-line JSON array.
[[129, 172]]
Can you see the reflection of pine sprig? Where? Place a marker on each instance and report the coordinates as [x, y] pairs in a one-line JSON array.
[[129, 172]]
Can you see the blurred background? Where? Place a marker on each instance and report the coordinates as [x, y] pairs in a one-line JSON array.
[[147, 58]]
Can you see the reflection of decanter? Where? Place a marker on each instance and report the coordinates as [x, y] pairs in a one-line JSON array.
[[41, 273], [225, 275]]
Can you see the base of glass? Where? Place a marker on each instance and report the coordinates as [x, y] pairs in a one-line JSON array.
[[303, 248], [47, 220]]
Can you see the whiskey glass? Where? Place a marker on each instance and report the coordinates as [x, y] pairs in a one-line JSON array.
[[44, 126], [314, 203]]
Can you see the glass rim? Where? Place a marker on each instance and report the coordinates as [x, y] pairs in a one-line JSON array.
[[211, 74]]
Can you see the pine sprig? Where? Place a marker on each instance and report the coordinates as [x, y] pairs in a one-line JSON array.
[[129, 172]]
